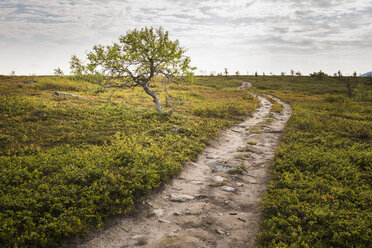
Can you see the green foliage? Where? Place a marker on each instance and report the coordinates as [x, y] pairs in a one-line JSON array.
[[58, 72], [319, 75], [135, 60], [311, 85], [67, 164], [277, 107], [62, 84], [334, 98], [320, 194], [222, 110], [59, 193]]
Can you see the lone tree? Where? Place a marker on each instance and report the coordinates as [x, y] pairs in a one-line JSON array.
[[58, 72], [135, 60]]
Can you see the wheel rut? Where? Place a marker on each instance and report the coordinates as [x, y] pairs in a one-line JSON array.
[[214, 202]]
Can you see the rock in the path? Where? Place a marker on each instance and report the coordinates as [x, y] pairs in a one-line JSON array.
[[140, 240], [220, 231], [158, 212], [181, 213], [239, 184], [201, 196], [192, 163], [228, 189], [218, 179], [164, 221], [173, 235], [178, 213], [241, 219], [148, 203], [252, 181], [180, 197], [222, 168]]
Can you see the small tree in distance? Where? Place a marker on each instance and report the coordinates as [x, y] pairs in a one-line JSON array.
[[135, 60], [319, 75], [226, 72], [58, 72]]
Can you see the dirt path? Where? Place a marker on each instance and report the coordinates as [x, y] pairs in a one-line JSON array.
[[207, 205]]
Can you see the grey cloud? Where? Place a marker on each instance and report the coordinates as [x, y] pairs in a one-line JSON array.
[[312, 3], [295, 27]]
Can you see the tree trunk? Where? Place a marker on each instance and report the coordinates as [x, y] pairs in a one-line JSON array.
[[154, 97]]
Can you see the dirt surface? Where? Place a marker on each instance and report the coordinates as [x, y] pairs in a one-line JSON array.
[[215, 201]]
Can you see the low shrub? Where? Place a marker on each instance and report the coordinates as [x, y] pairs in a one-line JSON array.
[[67, 165], [320, 193], [334, 98]]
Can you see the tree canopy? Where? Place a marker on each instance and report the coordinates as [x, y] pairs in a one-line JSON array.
[[135, 60]]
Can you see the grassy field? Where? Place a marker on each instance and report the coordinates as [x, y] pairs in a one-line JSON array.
[[320, 194], [68, 163]]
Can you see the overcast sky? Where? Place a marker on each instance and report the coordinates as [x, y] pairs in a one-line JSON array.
[[37, 36]]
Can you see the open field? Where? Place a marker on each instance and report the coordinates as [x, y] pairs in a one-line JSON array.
[[68, 163]]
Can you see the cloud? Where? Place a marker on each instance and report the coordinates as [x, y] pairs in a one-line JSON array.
[[213, 30]]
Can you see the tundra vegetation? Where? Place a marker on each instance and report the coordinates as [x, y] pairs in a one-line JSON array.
[[68, 163], [320, 194]]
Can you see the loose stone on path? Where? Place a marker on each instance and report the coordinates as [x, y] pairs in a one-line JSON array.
[[222, 168], [180, 197], [228, 189]]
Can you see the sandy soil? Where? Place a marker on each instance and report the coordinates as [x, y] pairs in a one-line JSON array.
[[206, 206]]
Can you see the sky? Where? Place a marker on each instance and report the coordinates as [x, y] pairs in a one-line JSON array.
[[271, 36]]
